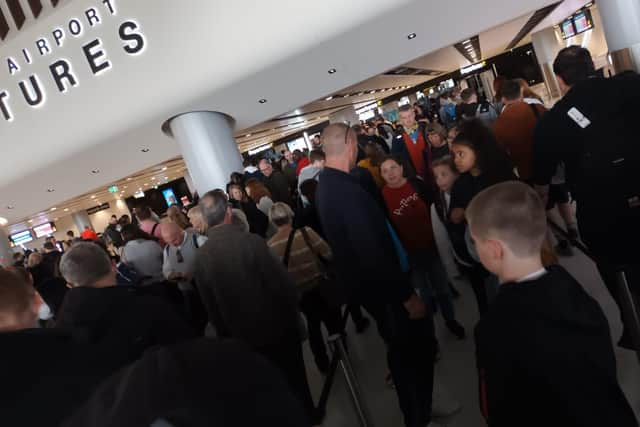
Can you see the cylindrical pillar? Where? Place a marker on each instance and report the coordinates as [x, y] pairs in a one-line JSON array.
[[546, 45], [81, 218], [208, 147], [620, 19], [6, 253]]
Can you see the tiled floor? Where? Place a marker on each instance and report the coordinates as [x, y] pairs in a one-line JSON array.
[[456, 370]]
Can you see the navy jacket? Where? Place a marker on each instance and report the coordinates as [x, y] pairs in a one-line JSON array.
[[356, 228]]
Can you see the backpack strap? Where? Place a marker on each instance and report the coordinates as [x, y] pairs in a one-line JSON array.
[[322, 261], [153, 229], [287, 250]]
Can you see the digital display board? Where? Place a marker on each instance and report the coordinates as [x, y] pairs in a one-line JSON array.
[[22, 237], [44, 230], [577, 23]]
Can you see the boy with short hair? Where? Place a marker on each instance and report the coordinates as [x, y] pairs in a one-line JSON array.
[[543, 349]]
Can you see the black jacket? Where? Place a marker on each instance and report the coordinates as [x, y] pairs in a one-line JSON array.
[[45, 374], [258, 221], [545, 357], [199, 383], [247, 292], [278, 185], [121, 321], [114, 235], [357, 231]]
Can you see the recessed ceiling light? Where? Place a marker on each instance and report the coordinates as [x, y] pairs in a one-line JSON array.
[[55, 219], [332, 71], [95, 171], [247, 135], [93, 197], [328, 98], [467, 41], [66, 209], [262, 101], [411, 36], [53, 209], [10, 207], [164, 168], [50, 190], [166, 177], [3, 221], [153, 178], [145, 150], [372, 92], [30, 221], [146, 184], [128, 179]]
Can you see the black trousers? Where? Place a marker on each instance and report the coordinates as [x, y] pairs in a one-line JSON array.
[[318, 311], [411, 349], [287, 356]]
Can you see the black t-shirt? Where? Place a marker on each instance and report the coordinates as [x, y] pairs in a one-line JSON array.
[[464, 190]]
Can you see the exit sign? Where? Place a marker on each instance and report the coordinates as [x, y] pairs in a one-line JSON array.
[[113, 189]]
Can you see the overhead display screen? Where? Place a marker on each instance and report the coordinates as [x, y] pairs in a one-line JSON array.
[[22, 237], [44, 230], [578, 23]]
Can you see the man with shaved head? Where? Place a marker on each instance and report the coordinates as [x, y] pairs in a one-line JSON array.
[[179, 266], [369, 269]]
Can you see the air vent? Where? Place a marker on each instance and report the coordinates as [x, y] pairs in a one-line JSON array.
[[470, 49], [409, 71]]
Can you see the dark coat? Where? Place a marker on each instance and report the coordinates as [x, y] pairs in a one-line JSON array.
[[544, 353], [45, 374], [121, 321], [278, 185], [246, 290], [356, 228], [198, 383]]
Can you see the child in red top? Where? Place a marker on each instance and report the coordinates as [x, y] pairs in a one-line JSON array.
[[408, 207]]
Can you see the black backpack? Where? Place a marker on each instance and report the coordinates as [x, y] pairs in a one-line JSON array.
[[609, 167]]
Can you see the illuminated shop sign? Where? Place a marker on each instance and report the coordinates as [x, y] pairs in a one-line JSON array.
[[472, 68], [30, 88]]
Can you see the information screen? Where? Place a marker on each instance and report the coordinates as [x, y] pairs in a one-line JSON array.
[[582, 22], [568, 30], [44, 230], [169, 197], [22, 237]]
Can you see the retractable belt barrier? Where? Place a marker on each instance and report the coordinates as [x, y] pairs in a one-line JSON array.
[[340, 357], [628, 301]]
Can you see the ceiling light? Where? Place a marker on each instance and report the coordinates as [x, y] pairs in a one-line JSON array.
[[332, 71], [246, 136], [93, 197], [10, 207], [372, 92], [166, 177], [262, 101], [328, 98], [128, 179], [153, 178], [95, 171], [125, 187], [50, 190], [3, 221], [163, 169], [467, 41], [146, 184], [145, 150], [56, 219], [411, 36], [53, 209], [66, 209], [30, 221]]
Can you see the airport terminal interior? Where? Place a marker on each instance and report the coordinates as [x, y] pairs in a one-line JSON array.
[[118, 118]]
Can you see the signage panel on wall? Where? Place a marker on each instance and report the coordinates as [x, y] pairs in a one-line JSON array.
[[96, 209], [31, 88]]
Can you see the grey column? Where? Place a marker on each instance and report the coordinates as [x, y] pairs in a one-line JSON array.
[[6, 252], [621, 22], [81, 218], [208, 147], [546, 44]]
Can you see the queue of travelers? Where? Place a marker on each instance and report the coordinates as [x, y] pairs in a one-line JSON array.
[[377, 218]]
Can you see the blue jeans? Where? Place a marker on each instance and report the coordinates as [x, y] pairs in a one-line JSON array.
[[429, 279]]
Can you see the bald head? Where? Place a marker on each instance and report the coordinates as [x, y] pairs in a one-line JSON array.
[[172, 233], [334, 141]]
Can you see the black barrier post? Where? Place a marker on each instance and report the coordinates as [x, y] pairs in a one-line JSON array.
[[335, 341], [629, 308]]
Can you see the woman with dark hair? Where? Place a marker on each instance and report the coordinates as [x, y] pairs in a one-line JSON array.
[[258, 221], [142, 253], [408, 205], [260, 194]]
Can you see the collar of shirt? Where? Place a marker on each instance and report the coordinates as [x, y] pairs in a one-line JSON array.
[[533, 276]]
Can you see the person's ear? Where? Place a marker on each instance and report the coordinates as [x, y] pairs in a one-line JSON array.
[[496, 250]]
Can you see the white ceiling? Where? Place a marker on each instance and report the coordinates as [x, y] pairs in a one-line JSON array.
[[212, 56]]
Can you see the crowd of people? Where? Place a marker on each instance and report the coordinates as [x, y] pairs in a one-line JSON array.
[[377, 217]]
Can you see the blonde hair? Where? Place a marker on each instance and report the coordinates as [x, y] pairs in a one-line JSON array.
[[197, 219], [511, 212], [34, 259], [176, 216]]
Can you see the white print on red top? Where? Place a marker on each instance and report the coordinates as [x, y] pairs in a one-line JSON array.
[[405, 203]]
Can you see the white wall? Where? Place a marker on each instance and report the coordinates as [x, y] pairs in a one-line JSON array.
[[99, 220]]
